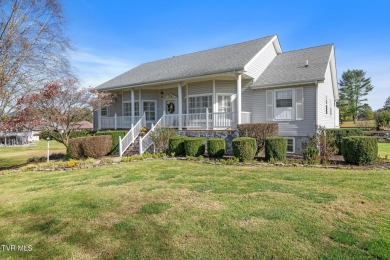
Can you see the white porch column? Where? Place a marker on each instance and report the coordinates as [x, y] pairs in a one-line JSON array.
[[99, 118], [132, 107], [239, 99], [141, 106], [180, 104]]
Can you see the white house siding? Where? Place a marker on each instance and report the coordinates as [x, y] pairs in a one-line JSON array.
[[200, 88], [255, 102], [325, 88], [261, 61]]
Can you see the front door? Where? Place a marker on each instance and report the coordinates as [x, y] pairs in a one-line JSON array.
[[170, 108]]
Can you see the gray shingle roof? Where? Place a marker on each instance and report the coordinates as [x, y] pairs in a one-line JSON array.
[[289, 67], [218, 60]]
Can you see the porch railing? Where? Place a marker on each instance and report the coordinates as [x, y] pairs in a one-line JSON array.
[[147, 140], [206, 120], [130, 137], [116, 122]]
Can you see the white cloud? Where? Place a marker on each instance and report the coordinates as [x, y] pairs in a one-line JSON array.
[[94, 69]]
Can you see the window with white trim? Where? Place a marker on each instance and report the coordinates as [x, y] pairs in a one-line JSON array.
[[150, 110], [104, 111], [290, 144], [224, 103], [284, 100], [199, 104], [326, 105], [127, 108]]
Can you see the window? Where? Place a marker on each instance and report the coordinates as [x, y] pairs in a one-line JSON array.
[[284, 98], [199, 104], [326, 104], [127, 108], [224, 104], [104, 111], [150, 110], [290, 144]]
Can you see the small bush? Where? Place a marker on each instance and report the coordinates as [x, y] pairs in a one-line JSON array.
[[96, 146], [311, 155], [75, 149], [71, 163], [360, 150], [276, 148], [195, 146], [176, 145], [244, 148], [259, 131], [115, 138], [216, 147], [339, 134], [382, 119], [160, 138]]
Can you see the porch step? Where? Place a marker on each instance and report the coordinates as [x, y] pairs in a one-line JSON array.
[[133, 148]]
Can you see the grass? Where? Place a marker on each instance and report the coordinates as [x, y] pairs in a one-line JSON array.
[[384, 149], [366, 123], [179, 209], [17, 155]]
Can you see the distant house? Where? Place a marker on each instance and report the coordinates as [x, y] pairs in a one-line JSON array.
[[83, 125], [18, 138], [216, 89]]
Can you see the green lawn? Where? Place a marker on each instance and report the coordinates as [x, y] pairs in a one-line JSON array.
[[179, 209], [17, 155], [384, 149]]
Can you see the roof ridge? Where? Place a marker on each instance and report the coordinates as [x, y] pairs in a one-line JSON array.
[[181, 55], [323, 45]]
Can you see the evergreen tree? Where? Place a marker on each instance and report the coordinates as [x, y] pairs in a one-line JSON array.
[[387, 103], [354, 86]]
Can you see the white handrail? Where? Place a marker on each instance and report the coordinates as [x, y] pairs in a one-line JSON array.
[[129, 138], [146, 141]]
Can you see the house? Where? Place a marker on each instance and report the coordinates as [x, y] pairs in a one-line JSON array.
[[216, 89]]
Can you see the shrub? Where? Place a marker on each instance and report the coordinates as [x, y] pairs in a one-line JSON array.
[[96, 146], [339, 134], [311, 155], [258, 131], [275, 148], [382, 119], [360, 150], [244, 148], [75, 149], [195, 146], [160, 138], [216, 147], [176, 145], [115, 138]]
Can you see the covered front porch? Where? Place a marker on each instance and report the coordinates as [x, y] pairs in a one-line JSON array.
[[203, 104]]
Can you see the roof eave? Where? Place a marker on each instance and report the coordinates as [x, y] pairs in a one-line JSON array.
[[168, 81], [287, 84]]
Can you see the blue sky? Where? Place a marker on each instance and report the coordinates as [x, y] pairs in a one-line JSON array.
[[111, 37]]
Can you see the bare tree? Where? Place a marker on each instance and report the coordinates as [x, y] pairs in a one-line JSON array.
[[56, 108], [32, 48]]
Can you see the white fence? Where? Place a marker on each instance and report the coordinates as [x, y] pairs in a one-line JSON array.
[[115, 122], [129, 138], [206, 120]]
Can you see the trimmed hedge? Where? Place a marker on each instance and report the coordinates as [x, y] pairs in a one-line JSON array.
[[216, 147], [96, 146], [115, 138], [90, 146], [195, 146], [276, 148], [244, 148], [259, 131], [75, 149], [176, 145], [360, 150], [340, 133]]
